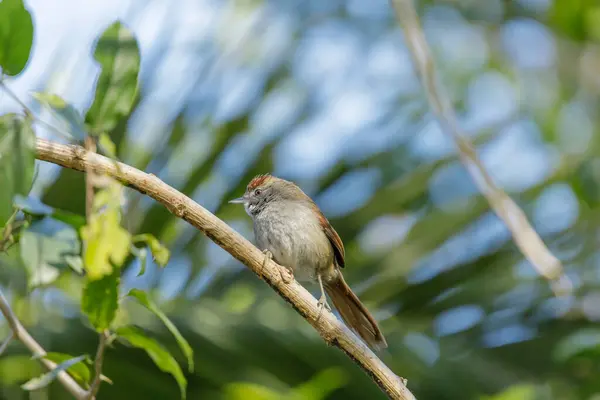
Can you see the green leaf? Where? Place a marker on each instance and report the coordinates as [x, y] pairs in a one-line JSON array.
[[321, 385], [142, 255], [157, 353], [80, 370], [17, 160], [516, 392], [16, 368], [576, 343], [64, 112], [16, 36], [118, 54], [45, 247], [107, 146], [250, 391], [100, 300], [106, 244], [592, 19], [160, 253], [142, 297], [47, 378], [75, 262]]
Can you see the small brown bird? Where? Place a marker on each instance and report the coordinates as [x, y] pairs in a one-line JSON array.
[[290, 228]]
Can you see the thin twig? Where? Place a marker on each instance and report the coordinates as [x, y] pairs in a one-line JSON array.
[[527, 240], [6, 342], [24, 337], [29, 112], [13, 96], [328, 326], [7, 238], [98, 364]]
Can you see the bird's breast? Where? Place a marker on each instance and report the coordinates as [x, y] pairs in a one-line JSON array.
[[295, 238]]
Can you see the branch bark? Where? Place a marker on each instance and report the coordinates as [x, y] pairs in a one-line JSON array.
[[333, 331], [22, 335], [525, 237]]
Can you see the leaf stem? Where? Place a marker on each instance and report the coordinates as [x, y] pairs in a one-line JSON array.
[[13, 96], [30, 113], [98, 364]]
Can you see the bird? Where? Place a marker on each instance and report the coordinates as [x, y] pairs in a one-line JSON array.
[[290, 229]]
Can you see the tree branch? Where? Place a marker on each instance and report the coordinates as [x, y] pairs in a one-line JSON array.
[[103, 338], [525, 237], [20, 333], [333, 331]]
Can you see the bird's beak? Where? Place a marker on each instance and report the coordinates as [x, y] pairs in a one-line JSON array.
[[239, 200]]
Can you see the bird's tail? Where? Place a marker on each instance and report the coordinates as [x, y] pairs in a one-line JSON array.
[[354, 313]]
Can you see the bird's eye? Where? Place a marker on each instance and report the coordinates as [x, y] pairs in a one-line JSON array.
[[257, 192]]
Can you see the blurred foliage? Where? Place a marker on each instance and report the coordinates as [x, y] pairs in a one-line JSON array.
[[322, 93], [117, 87], [47, 378], [16, 163], [66, 112], [102, 245]]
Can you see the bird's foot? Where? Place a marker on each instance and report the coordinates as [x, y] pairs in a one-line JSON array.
[[283, 271], [286, 274], [268, 256], [322, 304]]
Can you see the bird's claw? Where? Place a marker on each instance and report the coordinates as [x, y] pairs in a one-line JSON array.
[[282, 274], [289, 272], [268, 256], [322, 304]]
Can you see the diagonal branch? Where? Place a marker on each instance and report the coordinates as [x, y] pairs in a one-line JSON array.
[[328, 326], [21, 334], [527, 240]]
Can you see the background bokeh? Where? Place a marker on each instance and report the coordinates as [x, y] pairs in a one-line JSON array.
[[324, 93]]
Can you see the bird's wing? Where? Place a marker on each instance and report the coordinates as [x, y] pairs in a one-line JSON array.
[[334, 238]]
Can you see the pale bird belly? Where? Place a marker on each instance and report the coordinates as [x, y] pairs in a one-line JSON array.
[[293, 247]]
